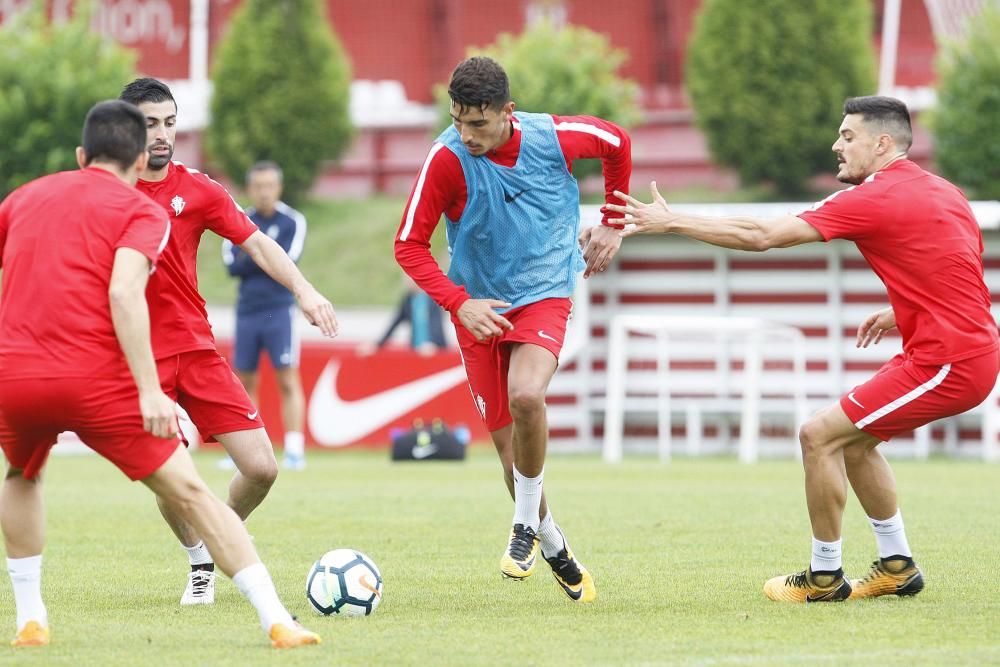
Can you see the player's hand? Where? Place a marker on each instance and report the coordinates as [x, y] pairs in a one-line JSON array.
[[478, 316], [599, 245], [318, 311], [640, 218], [159, 414], [874, 327]]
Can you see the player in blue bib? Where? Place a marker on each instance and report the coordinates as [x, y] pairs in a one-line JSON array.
[[503, 182]]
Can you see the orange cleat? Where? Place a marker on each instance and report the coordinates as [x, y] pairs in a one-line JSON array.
[[283, 636], [32, 634], [897, 575], [807, 586]]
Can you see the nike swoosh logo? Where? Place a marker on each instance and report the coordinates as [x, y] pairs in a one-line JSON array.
[[547, 337], [851, 398], [253, 415], [511, 198], [570, 591], [423, 451], [335, 422]]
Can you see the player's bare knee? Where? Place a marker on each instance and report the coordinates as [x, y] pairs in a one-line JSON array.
[[813, 438], [524, 402], [261, 470], [187, 495], [289, 386]]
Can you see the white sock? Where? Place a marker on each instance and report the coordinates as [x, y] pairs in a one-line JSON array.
[[890, 536], [26, 577], [551, 538], [198, 554], [826, 556], [527, 499], [295, 443], [255, 583]]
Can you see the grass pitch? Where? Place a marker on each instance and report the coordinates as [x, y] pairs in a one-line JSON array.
[[679, 553]]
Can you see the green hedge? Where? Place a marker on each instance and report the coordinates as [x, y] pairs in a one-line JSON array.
[[768, 79], [966, 123], [50, 76], [282, 87]]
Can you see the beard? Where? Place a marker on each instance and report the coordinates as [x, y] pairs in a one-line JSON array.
[[157, 162], [845, 176]]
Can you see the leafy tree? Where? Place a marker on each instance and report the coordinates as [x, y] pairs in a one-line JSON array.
[[768, 80], [966, 123], [566, 71], [50, 76], [282, 86]]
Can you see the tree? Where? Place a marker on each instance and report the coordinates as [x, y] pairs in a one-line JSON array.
[[562, 71], [768, 80], [966, 122], [282, 86], [50, 76]]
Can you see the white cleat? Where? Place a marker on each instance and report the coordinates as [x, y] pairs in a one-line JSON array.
[[225, 463], [294, 461], [200, 588]]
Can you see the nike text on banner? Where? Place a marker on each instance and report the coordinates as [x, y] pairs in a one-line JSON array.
[[335, 422]]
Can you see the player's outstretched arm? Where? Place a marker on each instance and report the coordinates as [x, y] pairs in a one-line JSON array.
[[130, 317], [738, 233], [478, 316], [273, 260], [875, 326]]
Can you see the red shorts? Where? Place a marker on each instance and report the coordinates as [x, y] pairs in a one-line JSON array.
[[487, 362], [203, 383], [103, 412], [903, 395]]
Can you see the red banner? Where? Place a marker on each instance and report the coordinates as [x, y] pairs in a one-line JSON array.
[[156, 29], [357, 400]]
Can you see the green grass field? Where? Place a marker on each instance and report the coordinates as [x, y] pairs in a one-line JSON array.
[[679, 553]]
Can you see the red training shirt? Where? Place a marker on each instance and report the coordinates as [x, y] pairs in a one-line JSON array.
[[440, 188], [919, 235], [194, 203], [58, 237]]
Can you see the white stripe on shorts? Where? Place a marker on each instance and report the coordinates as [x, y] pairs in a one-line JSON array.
[[906, 398]]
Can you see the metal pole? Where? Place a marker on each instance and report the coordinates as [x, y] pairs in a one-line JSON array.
[[890, 47]]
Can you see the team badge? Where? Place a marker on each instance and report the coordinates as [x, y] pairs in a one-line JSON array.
[[177, 203]]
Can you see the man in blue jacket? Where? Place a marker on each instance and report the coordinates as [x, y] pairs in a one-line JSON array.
[[265, 311]]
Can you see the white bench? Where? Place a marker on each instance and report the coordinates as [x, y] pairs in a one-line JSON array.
[[753, 333]]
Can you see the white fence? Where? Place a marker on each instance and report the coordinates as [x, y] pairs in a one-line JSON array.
[[700, 385]]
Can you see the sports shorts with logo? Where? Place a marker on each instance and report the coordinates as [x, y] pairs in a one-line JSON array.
[[272, 330], [903, 395], [103, 412], [487, 362], [205, 386]]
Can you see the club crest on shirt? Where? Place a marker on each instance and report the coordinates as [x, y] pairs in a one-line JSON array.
[[177, 203]]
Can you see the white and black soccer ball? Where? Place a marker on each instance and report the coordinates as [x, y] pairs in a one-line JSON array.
[[345, 582]]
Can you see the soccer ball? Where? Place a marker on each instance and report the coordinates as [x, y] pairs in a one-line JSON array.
[[344, 581]]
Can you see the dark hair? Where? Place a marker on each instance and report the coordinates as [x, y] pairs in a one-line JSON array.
[[266, 165], [479, 83], [115, 132], [887, 114], [146, 90]]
